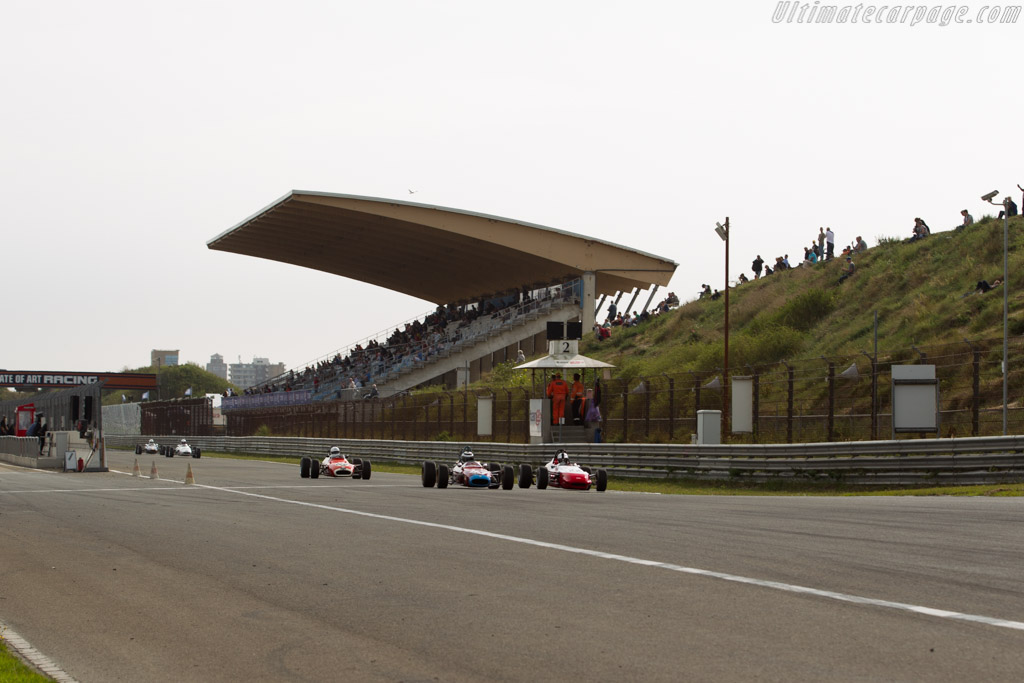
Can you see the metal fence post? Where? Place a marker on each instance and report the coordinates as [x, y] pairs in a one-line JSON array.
[[789, 403], [831, 401], [671, 407]]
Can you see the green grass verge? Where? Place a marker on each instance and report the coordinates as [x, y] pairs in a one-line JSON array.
[[13, 670], [725, 487]]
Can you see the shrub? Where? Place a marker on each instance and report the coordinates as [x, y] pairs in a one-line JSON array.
[[263, 430]]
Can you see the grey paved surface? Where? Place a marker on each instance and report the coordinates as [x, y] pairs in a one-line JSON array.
[[255, 574]]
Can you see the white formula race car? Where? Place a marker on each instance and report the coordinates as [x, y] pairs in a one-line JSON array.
[[150, 448], [182, 448]]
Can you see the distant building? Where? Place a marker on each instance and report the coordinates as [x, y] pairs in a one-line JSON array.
[[217, 366], [245, 375], [161, 359]]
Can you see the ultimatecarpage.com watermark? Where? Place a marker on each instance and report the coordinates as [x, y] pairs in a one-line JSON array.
[[817, 13]]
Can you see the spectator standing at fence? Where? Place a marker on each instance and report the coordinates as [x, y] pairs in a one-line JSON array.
[[830, 244], [576, 395], [38, 430]]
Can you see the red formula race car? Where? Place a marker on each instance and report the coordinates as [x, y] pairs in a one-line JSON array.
[[564, 474], [469, 472], [334, 465]]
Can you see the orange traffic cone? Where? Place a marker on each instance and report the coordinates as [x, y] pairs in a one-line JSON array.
[[153, 474], [189, 477], [136, 472]]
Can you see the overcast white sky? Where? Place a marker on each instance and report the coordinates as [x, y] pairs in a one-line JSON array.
[[133, 132]]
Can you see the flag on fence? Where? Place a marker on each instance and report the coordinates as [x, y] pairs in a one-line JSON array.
[[145, 396], [188, 392]]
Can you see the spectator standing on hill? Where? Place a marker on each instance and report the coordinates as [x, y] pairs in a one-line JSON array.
[[756, 267], [830, 243], [821, 243], [785, 260]]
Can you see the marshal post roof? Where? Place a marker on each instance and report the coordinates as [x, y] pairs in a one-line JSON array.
[[430, 252]]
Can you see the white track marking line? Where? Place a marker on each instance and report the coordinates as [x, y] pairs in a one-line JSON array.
[[777, 585], [37, 658]]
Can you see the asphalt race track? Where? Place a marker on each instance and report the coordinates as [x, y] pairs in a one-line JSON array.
[[255, 574]]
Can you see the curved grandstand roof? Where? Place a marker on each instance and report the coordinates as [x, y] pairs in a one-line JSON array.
[[431, 252]]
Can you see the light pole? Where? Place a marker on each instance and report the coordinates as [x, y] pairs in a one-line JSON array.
[[723, 232], [1006, 286]]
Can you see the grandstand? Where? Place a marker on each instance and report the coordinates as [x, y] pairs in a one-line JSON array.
[[497, 282]]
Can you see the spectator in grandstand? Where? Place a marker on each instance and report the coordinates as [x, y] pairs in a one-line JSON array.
[[756, 267]]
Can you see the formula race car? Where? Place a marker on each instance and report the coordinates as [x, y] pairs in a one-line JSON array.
[[563, 473], [334, 465], [468, 471], [150, 447], [182, 448]]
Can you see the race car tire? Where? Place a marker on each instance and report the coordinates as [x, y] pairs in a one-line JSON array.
[[304, 467], [586, 469], [168, 452], [508, 478], [602, 480], [525, 476], [357, 461], [367, 469], [429, 474], [494, 467], [542, 477], [442, 476], [138, 450], [314, 468], [196, 453]]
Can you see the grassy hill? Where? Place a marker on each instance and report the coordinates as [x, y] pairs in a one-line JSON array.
[[916, 288]]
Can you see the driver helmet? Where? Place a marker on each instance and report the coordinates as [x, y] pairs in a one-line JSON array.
[[562, 457], [335, 451], [150, 441], [183, 442], [466, 455]]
